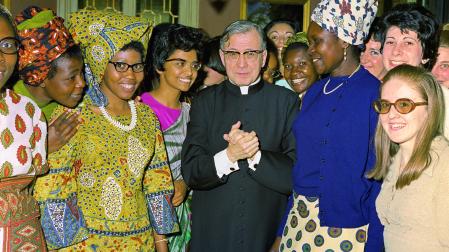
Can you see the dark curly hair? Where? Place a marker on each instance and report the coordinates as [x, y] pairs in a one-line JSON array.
[[173, 37], [414, 17]]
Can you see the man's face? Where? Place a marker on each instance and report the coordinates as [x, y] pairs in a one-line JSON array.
[[243, 69]]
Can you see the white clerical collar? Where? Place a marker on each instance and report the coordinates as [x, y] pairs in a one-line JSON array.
[[244, 89]]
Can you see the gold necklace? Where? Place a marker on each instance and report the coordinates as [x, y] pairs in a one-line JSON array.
[[339, 85]]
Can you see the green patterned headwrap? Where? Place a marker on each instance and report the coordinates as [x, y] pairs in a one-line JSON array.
[[300, 37], [101, 35]]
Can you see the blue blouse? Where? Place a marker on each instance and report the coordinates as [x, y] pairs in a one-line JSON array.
[[335, 148]]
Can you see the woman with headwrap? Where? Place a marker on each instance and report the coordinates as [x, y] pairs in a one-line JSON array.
[[50, 69], [111, 183], [333, 204], [23, 155]]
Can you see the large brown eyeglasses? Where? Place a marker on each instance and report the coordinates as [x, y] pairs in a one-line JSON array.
[[402, 105]]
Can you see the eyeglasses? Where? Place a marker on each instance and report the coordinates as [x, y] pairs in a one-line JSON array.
[[9, 45], [403, 106], [123, 67], [250, 55], [274, 73], [182, 63]]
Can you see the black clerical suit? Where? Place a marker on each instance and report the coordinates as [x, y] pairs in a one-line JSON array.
[[240, 211]]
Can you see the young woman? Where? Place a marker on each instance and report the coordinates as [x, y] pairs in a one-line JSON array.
[[174, 64], [109, 188], [298, 66], [412, 159], [410, 37], [441, 68], [50, 69], [333, 204], [371, 57], [23, 156], [215, 71]]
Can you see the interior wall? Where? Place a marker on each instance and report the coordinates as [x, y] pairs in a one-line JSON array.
[[17, 6], [214, 22]]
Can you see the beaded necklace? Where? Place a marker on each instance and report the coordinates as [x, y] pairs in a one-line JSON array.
[[339, 85], [119, 125]]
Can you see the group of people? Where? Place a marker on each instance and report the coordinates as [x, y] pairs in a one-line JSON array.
[[102, 151]]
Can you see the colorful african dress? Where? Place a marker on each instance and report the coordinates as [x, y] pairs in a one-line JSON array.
[[23, 134], [174, 127], [108, 189]]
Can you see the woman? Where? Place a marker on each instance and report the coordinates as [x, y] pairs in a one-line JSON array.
[[22, 153], [332, 206], [109, 187], [175, 62], [371, 57], [215, 71], [271, 69], [50, 69], [441, 68], [298, 66], [412, 159], [410, 37]]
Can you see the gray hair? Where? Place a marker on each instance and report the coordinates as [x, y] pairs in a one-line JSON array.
[[242, 26]]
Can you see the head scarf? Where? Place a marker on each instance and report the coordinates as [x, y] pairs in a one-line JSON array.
[[44, 38], [299, 37], [350, 20], [101, 35]]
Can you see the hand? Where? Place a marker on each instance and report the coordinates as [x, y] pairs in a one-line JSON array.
[[180, 192], [241, 144], [276, 245], [62, 129], [160, 242]]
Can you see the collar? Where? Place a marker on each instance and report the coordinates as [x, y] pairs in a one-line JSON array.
[[244, 90]]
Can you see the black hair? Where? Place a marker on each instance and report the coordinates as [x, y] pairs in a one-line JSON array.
[[375, 32], [175, 37], [293, 25], [73, 52], [415, 18], [292, 47], [136, 46], [212, 55], [271, 48]]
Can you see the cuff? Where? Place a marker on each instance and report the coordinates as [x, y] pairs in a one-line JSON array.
[[223, 165], [252, 164]]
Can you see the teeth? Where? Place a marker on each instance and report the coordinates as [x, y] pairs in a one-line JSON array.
[[298, 81], [396, 126], [128, 86], [186, 80], [314, 60]]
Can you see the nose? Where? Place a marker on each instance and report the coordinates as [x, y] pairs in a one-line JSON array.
[[393, 113], [81, 83], [241, 62], [397, 49]]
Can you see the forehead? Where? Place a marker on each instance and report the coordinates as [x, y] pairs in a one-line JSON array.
[[398, 87], [297, 54], [281, 27], [189, 55], [443, 54], [249, 40], [395, 30], [6, 30], [372, 44], [123, 55]]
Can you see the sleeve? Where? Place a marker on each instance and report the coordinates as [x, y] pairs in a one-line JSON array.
[[198, 164], [274, 169], [56, 193], [442, 202], [224, 165], [38, 143], [285, 217], [375, 240], [158, 188]]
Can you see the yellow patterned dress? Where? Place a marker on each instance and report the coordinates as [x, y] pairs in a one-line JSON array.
[[108, 189]]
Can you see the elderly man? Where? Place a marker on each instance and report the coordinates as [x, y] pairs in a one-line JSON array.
[[239, 150]]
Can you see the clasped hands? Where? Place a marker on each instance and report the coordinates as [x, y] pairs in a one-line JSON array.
[[241, 144]]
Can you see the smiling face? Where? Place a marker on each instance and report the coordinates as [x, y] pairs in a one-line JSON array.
[[402, 48], [66, 86], [122, 85], [299, 70], [272, 68], [372, 59], [441, 68], [7, 61], [279, 34], [243, 71], [402, 128], [325, 49], [178, 72]]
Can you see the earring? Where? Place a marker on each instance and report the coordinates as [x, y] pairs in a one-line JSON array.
[[344, 54]]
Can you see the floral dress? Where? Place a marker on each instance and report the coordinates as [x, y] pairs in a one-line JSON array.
[[108, 189], [23, 133]]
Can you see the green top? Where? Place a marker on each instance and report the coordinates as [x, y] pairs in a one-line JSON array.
[[47, 108]]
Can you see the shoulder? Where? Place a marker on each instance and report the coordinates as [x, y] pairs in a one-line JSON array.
[[21, 103], [280, 91], [364, 80]]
